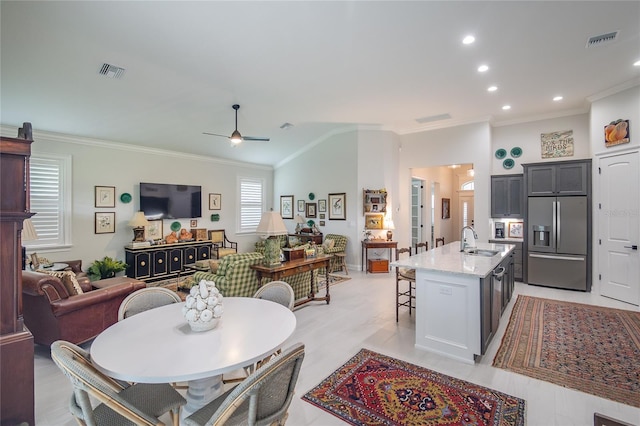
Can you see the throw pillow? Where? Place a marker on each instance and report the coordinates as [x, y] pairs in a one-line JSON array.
[[214, 265], [328, 244], [68, 279]]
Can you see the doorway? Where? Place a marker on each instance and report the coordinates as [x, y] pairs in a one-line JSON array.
[[417, 211]]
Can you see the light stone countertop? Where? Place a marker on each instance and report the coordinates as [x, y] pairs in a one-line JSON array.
[[449, 259]]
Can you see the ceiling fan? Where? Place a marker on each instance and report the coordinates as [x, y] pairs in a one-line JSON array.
[[236, 138]]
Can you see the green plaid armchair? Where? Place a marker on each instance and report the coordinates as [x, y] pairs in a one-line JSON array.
[[339, 246], [235, 278]]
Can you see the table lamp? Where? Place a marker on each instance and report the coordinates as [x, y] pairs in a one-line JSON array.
[[389, 225], [28, 234], [271, 224], [138, 222], [299, 221]]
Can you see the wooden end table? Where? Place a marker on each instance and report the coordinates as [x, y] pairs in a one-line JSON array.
[[371, 244], [293, 267]]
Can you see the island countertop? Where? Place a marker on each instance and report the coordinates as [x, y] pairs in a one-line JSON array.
[[449, 259]]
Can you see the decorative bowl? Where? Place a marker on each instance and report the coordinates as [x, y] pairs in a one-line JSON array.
[[203, 306], [204, 326]]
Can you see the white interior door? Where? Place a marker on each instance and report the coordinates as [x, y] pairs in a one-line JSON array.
[[619, 261], [465, 211]]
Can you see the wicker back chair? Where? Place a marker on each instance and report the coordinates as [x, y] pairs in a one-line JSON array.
[[119, 403], [277, 291], [263, 398], [145, 299]]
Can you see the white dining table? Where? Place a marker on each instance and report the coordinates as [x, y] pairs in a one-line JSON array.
[[158, 346]]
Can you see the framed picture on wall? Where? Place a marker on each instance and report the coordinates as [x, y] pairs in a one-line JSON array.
[[153, 231], [215, 201], [286, 206], [516, 230], [105, 196], [338, 206], [311, 210], [373, 221], [105, 222], [301, 205], [322, 206], [446, 204]]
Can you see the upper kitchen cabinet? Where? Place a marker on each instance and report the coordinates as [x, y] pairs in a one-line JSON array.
[[507, 196], [558, 178]]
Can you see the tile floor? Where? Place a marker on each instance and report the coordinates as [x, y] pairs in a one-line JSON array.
[[362, 314]]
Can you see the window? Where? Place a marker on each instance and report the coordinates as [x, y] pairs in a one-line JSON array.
[[251, 203], [467, 186], [50, 185]]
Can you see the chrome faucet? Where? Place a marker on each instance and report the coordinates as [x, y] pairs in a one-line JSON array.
[[463, 240]]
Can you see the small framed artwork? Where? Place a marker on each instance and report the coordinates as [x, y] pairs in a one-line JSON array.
[[311, 210], [153, 231], [338, 206], [373, 221], [322, 206], [616, 133], [215, 201], [105, 196], [193, 223], [322, 215], [105, 222], [286, 206], [322, 223], [35, 262], [301, 205], [516, 230], [446, 204]]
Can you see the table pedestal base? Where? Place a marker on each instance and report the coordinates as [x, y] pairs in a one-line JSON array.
[[200, 393]]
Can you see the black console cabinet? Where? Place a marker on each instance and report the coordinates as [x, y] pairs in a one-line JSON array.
[[164, 261]]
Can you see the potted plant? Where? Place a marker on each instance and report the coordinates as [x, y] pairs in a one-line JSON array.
[[105, 268]]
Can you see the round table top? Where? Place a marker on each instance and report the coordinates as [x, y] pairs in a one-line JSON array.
[[158, 346]]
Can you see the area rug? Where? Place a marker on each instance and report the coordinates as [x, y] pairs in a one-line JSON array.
[[375, 389], [333, 279], [588, 348]]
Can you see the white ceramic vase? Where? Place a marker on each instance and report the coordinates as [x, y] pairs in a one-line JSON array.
[[203, 306]]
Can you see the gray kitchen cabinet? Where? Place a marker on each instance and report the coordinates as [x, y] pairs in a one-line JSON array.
[[507, 196], [558, 178], [517, 258]]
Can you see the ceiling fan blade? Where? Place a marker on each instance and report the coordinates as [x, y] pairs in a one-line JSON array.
[[215, 134], [255, 138]]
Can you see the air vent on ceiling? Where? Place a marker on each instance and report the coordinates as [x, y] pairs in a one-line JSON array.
[[111, 71], [602, 39], [433, 118]]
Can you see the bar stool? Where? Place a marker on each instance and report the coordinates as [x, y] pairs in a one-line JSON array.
[[342, 262], [408, 275], [425, 245], [439, 240]]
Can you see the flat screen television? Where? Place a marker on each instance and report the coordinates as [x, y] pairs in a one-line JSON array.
[[170, 201]]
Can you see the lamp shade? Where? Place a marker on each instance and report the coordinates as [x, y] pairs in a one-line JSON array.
[[138, 220], [299, 219], [28, 231], [271, 223], [388, 223]]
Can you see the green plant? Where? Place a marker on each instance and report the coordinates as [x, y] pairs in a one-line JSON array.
[[105, 268]]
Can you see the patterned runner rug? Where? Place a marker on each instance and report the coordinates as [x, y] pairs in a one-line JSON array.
[[588, 348], [333, 279], [374, 389]]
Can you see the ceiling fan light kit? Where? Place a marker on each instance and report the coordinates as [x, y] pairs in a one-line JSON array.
[[236, 138]]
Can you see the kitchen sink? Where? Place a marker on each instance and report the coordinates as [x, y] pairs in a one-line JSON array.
[[481, 252]]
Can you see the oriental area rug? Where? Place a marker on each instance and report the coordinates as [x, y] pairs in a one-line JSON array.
[[333, 279], [374, 389], [592, 349]]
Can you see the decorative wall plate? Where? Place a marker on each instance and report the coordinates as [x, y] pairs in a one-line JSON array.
[[312, 195], [516, 152], [501, 153], [508, 163], [125, 198], [175, 226], [310, 223]]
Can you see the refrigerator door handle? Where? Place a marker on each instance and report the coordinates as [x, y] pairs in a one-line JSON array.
[[542, 256], [554, 225], [557, 216]]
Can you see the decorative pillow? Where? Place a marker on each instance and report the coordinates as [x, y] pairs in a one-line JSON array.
[[68, 279], [213, 265], [328, 244]]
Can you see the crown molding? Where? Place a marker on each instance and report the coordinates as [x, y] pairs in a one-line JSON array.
[[615, 89], [549, 116]]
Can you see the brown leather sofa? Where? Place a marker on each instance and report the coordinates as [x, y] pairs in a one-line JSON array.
[[51, 314]]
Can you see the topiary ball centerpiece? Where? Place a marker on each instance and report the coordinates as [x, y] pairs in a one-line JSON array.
[[203, 306]]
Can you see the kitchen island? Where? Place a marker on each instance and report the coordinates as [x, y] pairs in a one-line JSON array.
[[460, 297]]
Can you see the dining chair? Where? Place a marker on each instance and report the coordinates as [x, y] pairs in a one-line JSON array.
[[277, 291], [440, 240], [424, 246], [119, 403], [145, 299], [263, 398], [405, 297]]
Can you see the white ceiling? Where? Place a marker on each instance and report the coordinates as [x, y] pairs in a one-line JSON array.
[[322, 66]]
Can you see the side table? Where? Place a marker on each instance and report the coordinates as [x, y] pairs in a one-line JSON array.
[[372, 244]]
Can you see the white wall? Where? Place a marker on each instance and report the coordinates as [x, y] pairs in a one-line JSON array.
[[527, 137], [457, 145], [101, 163]]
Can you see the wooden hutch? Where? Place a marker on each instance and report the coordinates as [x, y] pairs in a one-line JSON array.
[[16, 342]]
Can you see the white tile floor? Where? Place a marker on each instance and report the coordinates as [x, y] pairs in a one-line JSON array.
[[362, 315]]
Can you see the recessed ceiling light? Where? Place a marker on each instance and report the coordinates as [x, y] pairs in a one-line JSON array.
[[492, 88], [557, 98], [483, 68], [506, 107], [468, 39], [636, 64]]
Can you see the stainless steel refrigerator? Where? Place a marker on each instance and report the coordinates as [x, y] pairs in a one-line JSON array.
[[557, 242]]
